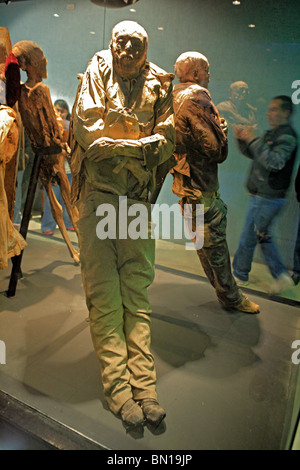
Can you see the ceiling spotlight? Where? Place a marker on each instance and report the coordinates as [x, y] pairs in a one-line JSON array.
[[251, 25], [160, 28], [56, 15], [236, 2], [132, 10], [92, 32]]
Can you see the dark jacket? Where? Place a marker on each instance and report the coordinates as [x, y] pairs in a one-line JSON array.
[[273, 157], [297, 185], [200, 142]]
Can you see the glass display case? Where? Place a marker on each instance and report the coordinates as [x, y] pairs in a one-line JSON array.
[[253, 49]]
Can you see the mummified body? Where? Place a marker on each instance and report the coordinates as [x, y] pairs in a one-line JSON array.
[[123, 131], [11, 241], [45, 131], [12, 163]]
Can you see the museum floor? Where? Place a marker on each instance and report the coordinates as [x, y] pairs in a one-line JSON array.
[[226, 380]]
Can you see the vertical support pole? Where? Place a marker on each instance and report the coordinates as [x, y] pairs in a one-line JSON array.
[[17, 260]]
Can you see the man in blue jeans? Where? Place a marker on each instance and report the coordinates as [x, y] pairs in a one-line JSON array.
[[273, 157]]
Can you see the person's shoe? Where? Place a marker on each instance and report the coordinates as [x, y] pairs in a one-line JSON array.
[[282, 283], [153, 412], [48, 232], [131, 413], [71, 229], [296, 279], [247, 306], [241, 283]]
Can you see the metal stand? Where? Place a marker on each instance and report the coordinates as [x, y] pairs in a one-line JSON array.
[[16, 272]]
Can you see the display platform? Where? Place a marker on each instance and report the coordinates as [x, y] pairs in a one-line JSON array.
[[226, 380]]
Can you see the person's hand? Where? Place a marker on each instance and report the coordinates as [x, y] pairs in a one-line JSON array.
[[238, 132], [247, 134]]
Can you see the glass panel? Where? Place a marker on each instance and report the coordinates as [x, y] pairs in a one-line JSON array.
[[254, 42]]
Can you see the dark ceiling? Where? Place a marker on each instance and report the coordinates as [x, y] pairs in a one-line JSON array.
[[275, 20]]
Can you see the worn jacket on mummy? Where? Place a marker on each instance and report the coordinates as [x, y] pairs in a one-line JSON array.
[[200, 141], [122, 166]]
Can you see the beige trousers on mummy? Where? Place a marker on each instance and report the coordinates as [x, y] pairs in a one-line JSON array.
[[116, 274]]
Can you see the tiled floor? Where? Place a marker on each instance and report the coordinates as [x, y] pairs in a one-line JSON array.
[[226, 379]]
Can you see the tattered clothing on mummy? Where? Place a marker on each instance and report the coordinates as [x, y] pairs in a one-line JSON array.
[[44, 128]]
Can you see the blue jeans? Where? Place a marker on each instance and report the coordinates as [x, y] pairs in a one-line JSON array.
[[296, 269], [48, 222], [257, 230]]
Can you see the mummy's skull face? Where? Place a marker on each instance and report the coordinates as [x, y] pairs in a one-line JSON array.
[[129, 48]]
